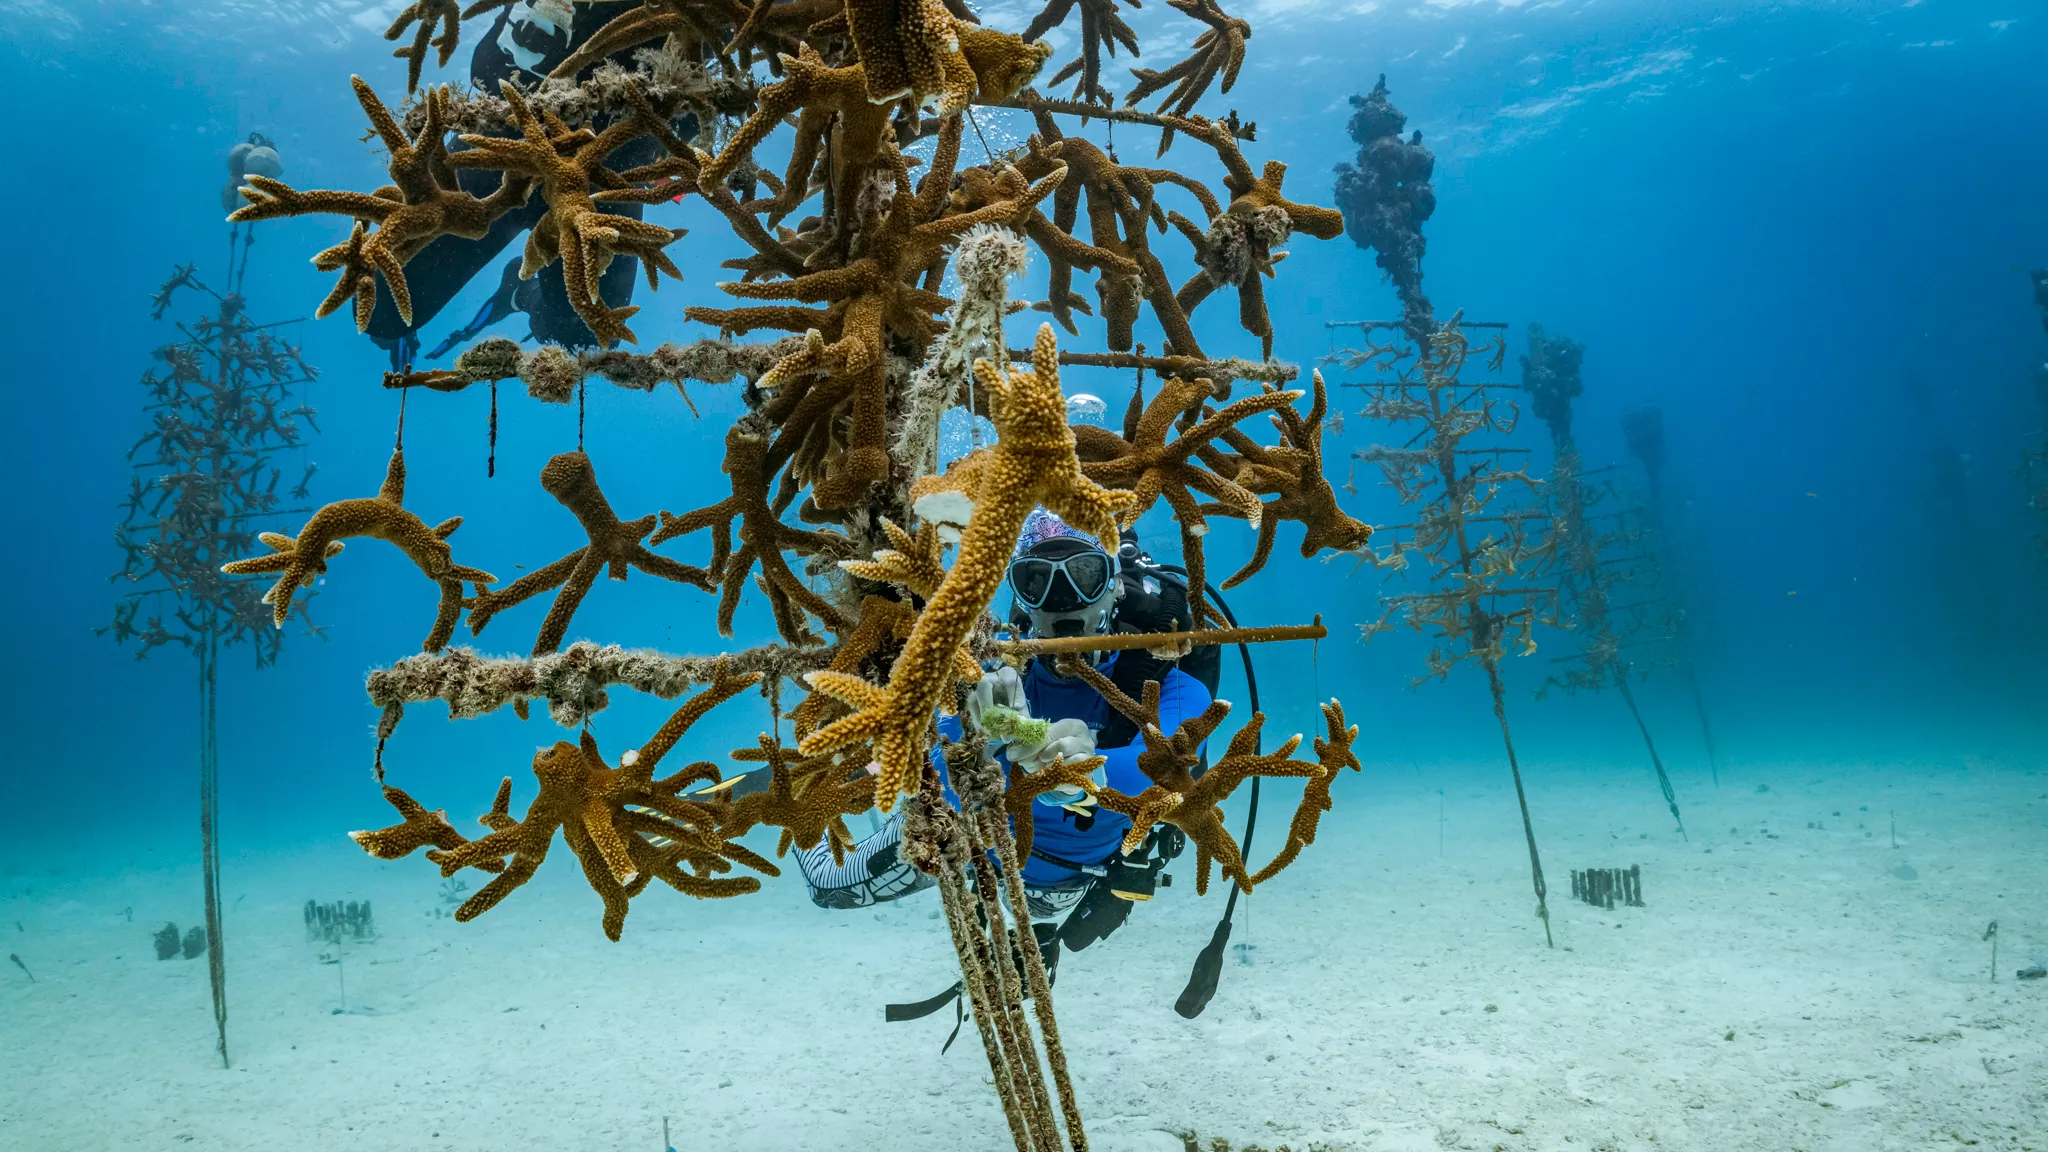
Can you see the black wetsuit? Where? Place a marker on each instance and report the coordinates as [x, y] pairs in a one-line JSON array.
[[448, 263]]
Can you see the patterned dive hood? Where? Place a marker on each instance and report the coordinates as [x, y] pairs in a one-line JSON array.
[[1043, 525]]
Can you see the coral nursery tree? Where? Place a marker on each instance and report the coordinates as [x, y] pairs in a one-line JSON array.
[[837, 513], [227, 424], [1642, 430], [1602, 553], [1479, 548]]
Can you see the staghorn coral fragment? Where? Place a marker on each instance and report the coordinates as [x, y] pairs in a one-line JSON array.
[[870, 303], [1334, 754], [1216, 52], [831, 103], [1176, 796], [574, 229], [1033, 463], [428, 13], [625, 827], [807, 798], [1293, 474], [1153, 468], [881, 620], [1102, 30], [570, 479], [917, 49], [1023, 788], [422, 201], [1119, 208], [914, 564], [381, 517], [763, 537], [420, 828]]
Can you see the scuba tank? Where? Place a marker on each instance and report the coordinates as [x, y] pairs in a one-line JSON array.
[[256, 156]]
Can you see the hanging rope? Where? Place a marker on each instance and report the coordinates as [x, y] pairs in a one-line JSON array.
[[491, 461], [1000, 962], [582, 389], [402, 394]]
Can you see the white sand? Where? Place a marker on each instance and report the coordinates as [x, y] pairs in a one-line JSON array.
[[1395, 999]]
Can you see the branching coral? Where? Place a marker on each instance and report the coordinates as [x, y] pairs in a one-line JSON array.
[[1293, 474], [915, 563], [381, 517], [1024, 788], [918, 49], [1033, 463], [1178, 797], [1216, 52], [763, 537], [1102, 29], [574, 229], [626, 828], [1143, 461], [1333, 754], [809, 799], [570, 479], [447, 14], [421, 202], [870, 301]]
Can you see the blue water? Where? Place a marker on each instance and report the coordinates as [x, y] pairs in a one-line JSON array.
[[1764, 219]]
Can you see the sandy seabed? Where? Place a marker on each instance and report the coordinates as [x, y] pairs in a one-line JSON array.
[[1794, 982]]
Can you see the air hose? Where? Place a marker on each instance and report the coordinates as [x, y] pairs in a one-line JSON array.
[[1209, 964]]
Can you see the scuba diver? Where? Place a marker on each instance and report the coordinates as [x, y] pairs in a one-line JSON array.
[[1062, 582], [523, 45]]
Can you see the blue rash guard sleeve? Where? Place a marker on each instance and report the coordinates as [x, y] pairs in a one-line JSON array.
[[1088, 840]]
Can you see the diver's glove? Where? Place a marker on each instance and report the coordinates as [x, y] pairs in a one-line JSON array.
[[1065, 740], [1000, 709]]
